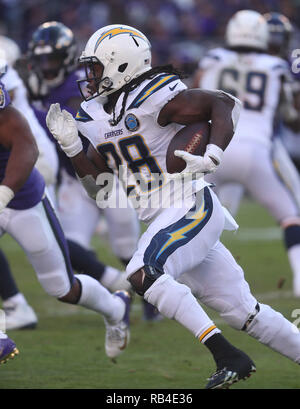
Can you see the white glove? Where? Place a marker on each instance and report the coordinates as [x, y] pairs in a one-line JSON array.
[[46, 170], [196, 163], [63, 127], [6, 195]]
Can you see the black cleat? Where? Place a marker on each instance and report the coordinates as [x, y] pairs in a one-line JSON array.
[[240, 368]]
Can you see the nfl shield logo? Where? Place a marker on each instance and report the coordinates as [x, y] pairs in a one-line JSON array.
[[132, 123]]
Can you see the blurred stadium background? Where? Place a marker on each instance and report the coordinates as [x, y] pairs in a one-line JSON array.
[[180, 30], [66, 351]]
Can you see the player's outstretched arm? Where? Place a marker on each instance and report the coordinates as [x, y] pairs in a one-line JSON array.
[[16, 136]]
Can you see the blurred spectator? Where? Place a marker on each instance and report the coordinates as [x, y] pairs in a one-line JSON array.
[[180, 30]]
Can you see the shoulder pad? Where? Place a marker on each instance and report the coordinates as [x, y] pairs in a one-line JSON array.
[[215, 53], [153, 86], [213, 56], [83, 116]]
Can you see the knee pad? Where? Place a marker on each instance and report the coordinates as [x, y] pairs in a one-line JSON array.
[[54, 282]]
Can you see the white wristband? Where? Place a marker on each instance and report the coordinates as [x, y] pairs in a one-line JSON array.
[[6, 195], [214, 152], [74, 149]]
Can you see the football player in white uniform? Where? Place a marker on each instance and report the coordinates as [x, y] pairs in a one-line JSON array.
[[142, 108], [246, 70], [52, 78], [285, 147]]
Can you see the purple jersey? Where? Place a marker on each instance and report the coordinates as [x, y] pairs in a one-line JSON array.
[[62, 95], [32, 191]]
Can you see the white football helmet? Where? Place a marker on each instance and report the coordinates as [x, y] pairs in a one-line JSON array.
[[123, 52], [9, 50], [247, 28], [3, 63]]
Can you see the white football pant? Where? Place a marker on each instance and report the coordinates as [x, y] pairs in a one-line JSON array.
[[79, 216]]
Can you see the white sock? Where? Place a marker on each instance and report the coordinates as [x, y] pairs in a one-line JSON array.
[[294, 259], [14, 300], [114, 280], [175, 301], [110, 275], [97, 298]]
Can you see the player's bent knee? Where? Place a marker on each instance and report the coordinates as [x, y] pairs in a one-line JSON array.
[[143, 278], [73, 296], [54, 283], [239, 319]]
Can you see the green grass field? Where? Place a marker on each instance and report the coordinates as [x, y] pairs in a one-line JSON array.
[[67, 348]]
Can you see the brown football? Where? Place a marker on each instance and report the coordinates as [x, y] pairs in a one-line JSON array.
[[193, 139]]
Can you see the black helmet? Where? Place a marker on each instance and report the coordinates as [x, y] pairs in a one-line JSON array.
[[52, 53], [280, 31]]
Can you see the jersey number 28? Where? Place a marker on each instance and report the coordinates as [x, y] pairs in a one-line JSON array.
[[137, 158]]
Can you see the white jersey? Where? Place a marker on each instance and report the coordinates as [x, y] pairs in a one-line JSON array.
[[138, 141], [13, 82], [254, 78]]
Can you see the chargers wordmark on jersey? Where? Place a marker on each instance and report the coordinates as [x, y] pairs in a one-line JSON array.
[[113, 134]]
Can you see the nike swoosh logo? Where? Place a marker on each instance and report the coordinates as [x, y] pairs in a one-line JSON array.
[[172, 88]]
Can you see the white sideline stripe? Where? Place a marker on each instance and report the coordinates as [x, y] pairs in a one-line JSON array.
[[68, 310], [256, 233]]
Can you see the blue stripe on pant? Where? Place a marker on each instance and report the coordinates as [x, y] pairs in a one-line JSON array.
[[167, 240], [60, 237]]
